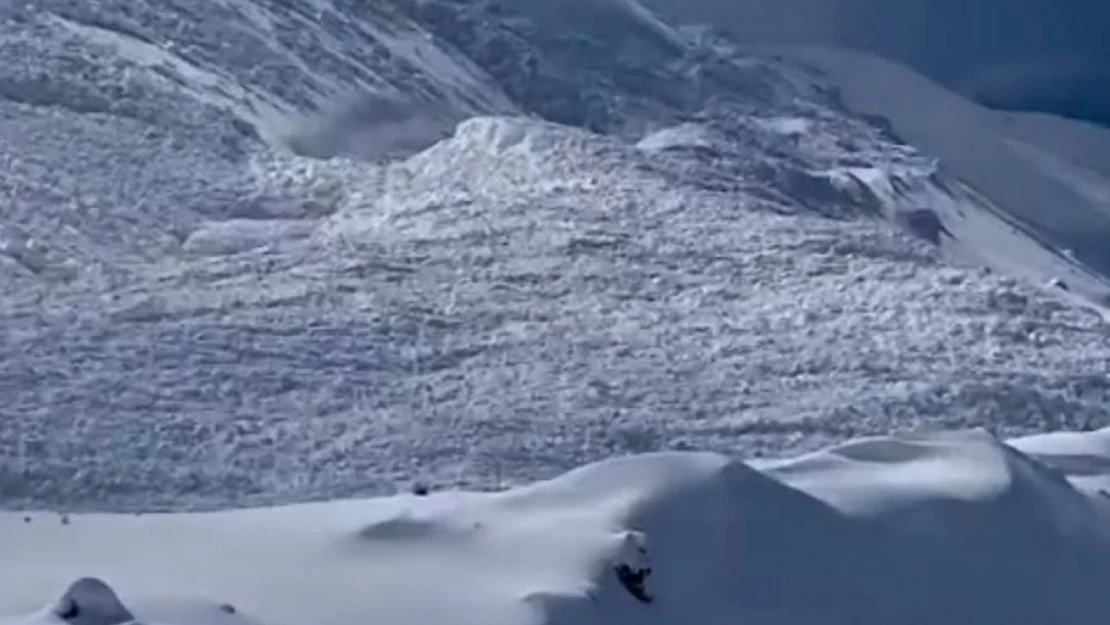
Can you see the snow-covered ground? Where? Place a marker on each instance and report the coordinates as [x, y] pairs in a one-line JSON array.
[[504, 306], [1013, 54], [1048, 178], [944, 528], [264, 252], [195, 317]]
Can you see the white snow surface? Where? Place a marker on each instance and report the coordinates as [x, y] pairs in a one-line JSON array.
[[1046, 179], [262, 259], [494, 271], [954, 527]]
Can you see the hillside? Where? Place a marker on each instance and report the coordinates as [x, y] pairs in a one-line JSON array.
[[1046, 190], [607, 245], [1021, 55], [647, 325]]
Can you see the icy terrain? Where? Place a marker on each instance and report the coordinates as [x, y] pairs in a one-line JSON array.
[[945, 528], [674, 330], [693, 251]]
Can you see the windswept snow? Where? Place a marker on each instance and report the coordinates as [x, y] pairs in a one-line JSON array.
[[515, 301], [1049, 198], [953, 528], [578, 272]]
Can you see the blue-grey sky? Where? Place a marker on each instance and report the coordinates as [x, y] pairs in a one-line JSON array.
[[1042, 54]]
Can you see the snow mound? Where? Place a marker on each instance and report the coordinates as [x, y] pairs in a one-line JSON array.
[[91, 601], [495, 154], [953, 527]]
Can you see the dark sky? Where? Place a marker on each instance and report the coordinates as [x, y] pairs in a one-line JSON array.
[[1029, 54]]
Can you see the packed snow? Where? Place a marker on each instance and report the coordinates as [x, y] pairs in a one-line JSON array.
[[672, 329], [944, 528]]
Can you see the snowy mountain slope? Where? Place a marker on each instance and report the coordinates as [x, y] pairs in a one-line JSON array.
[[196, 317], [146, 116], [260, 61], [151, 95], [954, 527], [1082, 144], [1048, 197], [268, 251], [513, 302], [1027, 55]]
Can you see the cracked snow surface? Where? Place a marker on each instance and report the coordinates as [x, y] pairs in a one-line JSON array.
[[194, 317]]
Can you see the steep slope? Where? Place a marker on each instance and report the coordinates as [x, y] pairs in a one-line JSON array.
[[518, 299], [196, 316], [125, 126], [1082, 144], [954, 527], [1026, 55], [1051, 200]]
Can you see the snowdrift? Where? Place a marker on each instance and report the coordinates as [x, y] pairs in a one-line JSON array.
[[952, 527]]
